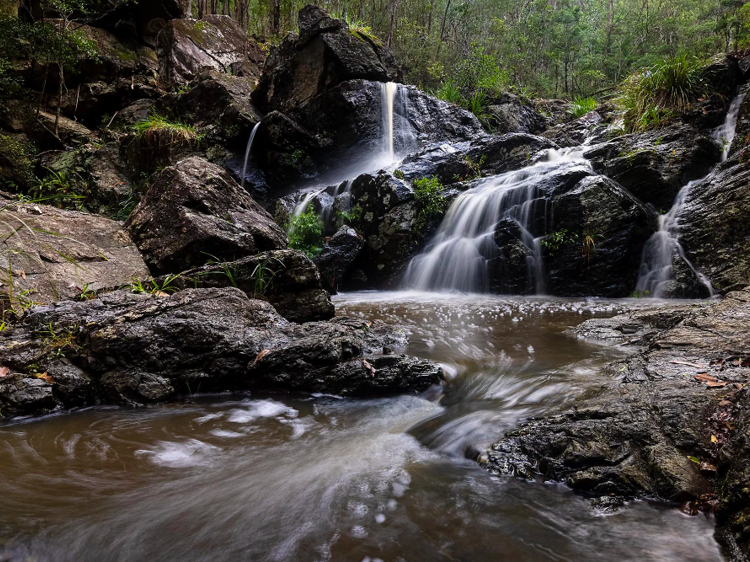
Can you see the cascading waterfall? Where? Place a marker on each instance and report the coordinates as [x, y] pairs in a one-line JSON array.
[[247, 151], [661, 250], [460, 256], [396, 140]]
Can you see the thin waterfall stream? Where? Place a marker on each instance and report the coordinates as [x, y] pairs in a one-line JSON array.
[[663, 248]]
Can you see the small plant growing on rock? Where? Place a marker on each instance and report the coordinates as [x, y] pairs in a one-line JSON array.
[[431, 203], [349, 217], [58, 189], [306, 233], [157, 131], [556, 240]]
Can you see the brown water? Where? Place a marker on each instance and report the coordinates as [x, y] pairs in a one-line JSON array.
[[255, 478]]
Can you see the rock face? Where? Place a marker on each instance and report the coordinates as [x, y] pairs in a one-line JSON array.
[[137, 349], [670, 422], [55, 253], [187, 48], [325, 53], [655, 165], [285, 278], [337, 257], [194, 212], [714, 226], [511, 114]]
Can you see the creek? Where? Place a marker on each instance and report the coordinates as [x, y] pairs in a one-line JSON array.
[[258, 477]]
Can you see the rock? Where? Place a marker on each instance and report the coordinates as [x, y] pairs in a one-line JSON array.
[[61, 252], [285, 278], [512, 114], [325, 54], [486, 156], [219, 105], [194, 212], [714, 226], [575, 132], [656, 164], [337, 257], [140, 349], [111, 189], [654, 424], [188, 48], [606, 230]]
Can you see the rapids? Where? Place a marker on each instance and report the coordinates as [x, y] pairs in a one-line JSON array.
[[276, 478]]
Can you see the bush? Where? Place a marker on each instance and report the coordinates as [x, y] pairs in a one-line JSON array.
[[581, 106], [158, 131], [653, 96], [306, 233], [431, 203]]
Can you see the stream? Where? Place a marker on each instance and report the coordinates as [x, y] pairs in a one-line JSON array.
[[270, 478]]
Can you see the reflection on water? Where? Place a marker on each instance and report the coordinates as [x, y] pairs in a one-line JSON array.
[[323, 478]]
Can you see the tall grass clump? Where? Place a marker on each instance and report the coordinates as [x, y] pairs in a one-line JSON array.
[[581, 106], [651, 97], [158, 131]]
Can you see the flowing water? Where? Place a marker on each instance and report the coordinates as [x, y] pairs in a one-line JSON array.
[[248, 150], [281, 478], [459, 256], [661, 250]]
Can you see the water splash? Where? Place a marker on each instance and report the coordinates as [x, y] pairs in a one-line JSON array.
[[663, 249], [460, 256], [247, 151]]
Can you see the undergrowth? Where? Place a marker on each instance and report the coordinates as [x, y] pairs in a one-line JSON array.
[[157, 131], [581, 106], [306, 233]]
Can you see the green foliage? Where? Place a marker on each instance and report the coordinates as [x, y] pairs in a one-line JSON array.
[[306, 233], [59, 189], [651, 97], [158, 131], [154, 286], [399, 174], [556, 240], [581, 106], [350, 217], [430, 202], [263, 275], [448, 91]]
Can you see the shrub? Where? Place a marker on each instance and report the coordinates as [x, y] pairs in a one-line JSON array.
[[431, 203], [448, 91], [581, 106], [653, 96], [306, 233]]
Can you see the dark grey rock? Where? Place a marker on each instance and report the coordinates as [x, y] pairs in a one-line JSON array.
[[337, 256]]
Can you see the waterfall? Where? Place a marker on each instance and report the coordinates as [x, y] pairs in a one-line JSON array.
[[247, 151], [395, 140], [461, 255], [661, 250]]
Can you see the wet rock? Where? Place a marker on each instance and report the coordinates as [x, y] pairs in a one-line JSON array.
[[656, 420], [574, 132], [146, 348], [511, 114], [714, 226], [325, 54], [337, 257], [486, 156], [193, 212], [187, 48], [655, 165], [61, 252], [285, 278], [602, 230]]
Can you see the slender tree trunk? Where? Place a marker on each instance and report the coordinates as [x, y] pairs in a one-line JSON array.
[[442, 27], [276, 17], [391, 30], [189, 10]]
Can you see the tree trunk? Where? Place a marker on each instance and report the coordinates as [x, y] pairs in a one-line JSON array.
[[391, 30], [276, 18]]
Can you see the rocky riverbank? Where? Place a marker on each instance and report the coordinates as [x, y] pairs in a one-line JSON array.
[[670, 422]]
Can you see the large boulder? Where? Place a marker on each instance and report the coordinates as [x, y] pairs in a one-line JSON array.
[[656, 164], [326, 53], [509, 113], [133, 349], [49, 254], [195, 212], [285, 278], [187, 48], [337, 256], [715, 225]]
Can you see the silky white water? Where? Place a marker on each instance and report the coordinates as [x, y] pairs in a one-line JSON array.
[[248, 150], [460, 255], [663, 248]]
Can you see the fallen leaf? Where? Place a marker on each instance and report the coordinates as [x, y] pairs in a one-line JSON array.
[[714, 439], [4, 371], [22, 273], [161, 294], [369, 367], [716, 384], [696, 460], [261, 355], [705, 377], [45, 377], [707, 467], [725, 403]]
